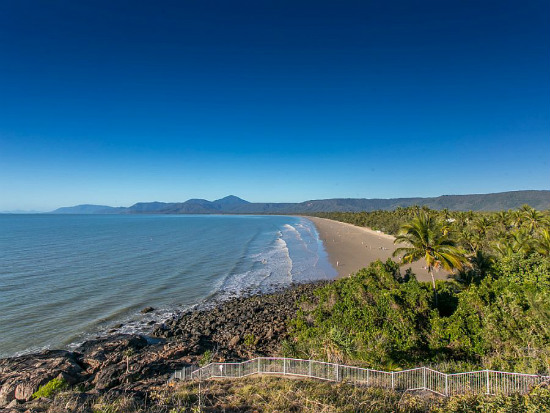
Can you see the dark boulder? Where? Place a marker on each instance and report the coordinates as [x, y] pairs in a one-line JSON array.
[[21, 377]]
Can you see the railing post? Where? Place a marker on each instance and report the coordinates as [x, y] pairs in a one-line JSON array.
[[424, 377], [310, 369], [446, 385], [337, 372], [259, 368], [488, 389], [368, 371], [284, 366], [392, 383]]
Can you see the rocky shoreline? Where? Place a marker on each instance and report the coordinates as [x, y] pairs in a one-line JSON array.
[[236, 329]]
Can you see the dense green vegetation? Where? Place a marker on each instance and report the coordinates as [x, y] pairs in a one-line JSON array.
[[494, 314], [473, 229]]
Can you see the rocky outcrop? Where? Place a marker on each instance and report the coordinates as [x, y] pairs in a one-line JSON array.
[[238, 328], [20, 377], [99, 364], [235, 329]]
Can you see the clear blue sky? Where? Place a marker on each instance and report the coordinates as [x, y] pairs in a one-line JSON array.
[[115, 102]]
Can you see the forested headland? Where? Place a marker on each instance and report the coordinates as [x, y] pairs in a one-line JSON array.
[[493, 313]]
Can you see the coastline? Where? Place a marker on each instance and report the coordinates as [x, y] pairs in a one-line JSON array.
[[351, 248], [239, 328], [98, 272]]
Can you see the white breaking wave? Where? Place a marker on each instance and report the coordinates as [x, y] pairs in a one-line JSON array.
[[294, 231], [265, 271]]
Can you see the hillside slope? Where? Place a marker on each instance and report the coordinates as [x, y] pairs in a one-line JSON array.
[[234, 205]]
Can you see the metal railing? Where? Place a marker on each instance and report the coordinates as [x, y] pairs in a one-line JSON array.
[[421, 378]]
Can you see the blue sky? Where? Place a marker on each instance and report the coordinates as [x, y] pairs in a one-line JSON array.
[[115, 102]]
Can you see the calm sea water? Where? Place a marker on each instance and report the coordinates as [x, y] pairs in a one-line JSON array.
[[66, 278]]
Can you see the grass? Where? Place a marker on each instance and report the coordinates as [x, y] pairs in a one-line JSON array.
[[269, 394]]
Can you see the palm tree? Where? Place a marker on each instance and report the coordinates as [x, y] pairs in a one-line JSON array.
[[517, 218], [515, 242], [503, 247], [522, 241], [502, 219], [481, 225], [534, 219], [543, 243], [481, 263], [473, 241], [424, 239]]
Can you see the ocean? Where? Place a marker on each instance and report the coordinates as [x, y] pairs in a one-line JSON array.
[[68, 278]]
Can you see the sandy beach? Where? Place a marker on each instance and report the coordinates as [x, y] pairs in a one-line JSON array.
[[351, 248]]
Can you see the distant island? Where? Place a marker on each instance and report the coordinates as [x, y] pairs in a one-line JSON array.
[[234, 205]]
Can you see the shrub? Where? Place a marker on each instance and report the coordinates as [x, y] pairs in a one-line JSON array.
[[373, 316], [250, 341], [51, 388], [206, 358]]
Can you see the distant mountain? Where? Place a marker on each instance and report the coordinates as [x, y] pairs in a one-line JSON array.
[[192, 206], [147, 207], [230, 202], [235, 205], [89, 209], [21, 211], [476, 202]]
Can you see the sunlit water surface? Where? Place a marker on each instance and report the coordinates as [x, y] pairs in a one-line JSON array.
[[65, 278]]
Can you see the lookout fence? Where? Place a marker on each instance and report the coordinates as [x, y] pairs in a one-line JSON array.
[[420, 378]]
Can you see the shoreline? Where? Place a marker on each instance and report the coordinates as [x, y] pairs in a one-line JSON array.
[[351, 248], [236, 329], [163, 263]]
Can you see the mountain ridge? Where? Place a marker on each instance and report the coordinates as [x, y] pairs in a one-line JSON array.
[[538, 199]]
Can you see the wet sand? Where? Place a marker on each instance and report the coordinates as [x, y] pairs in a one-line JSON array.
[[351, 248]]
